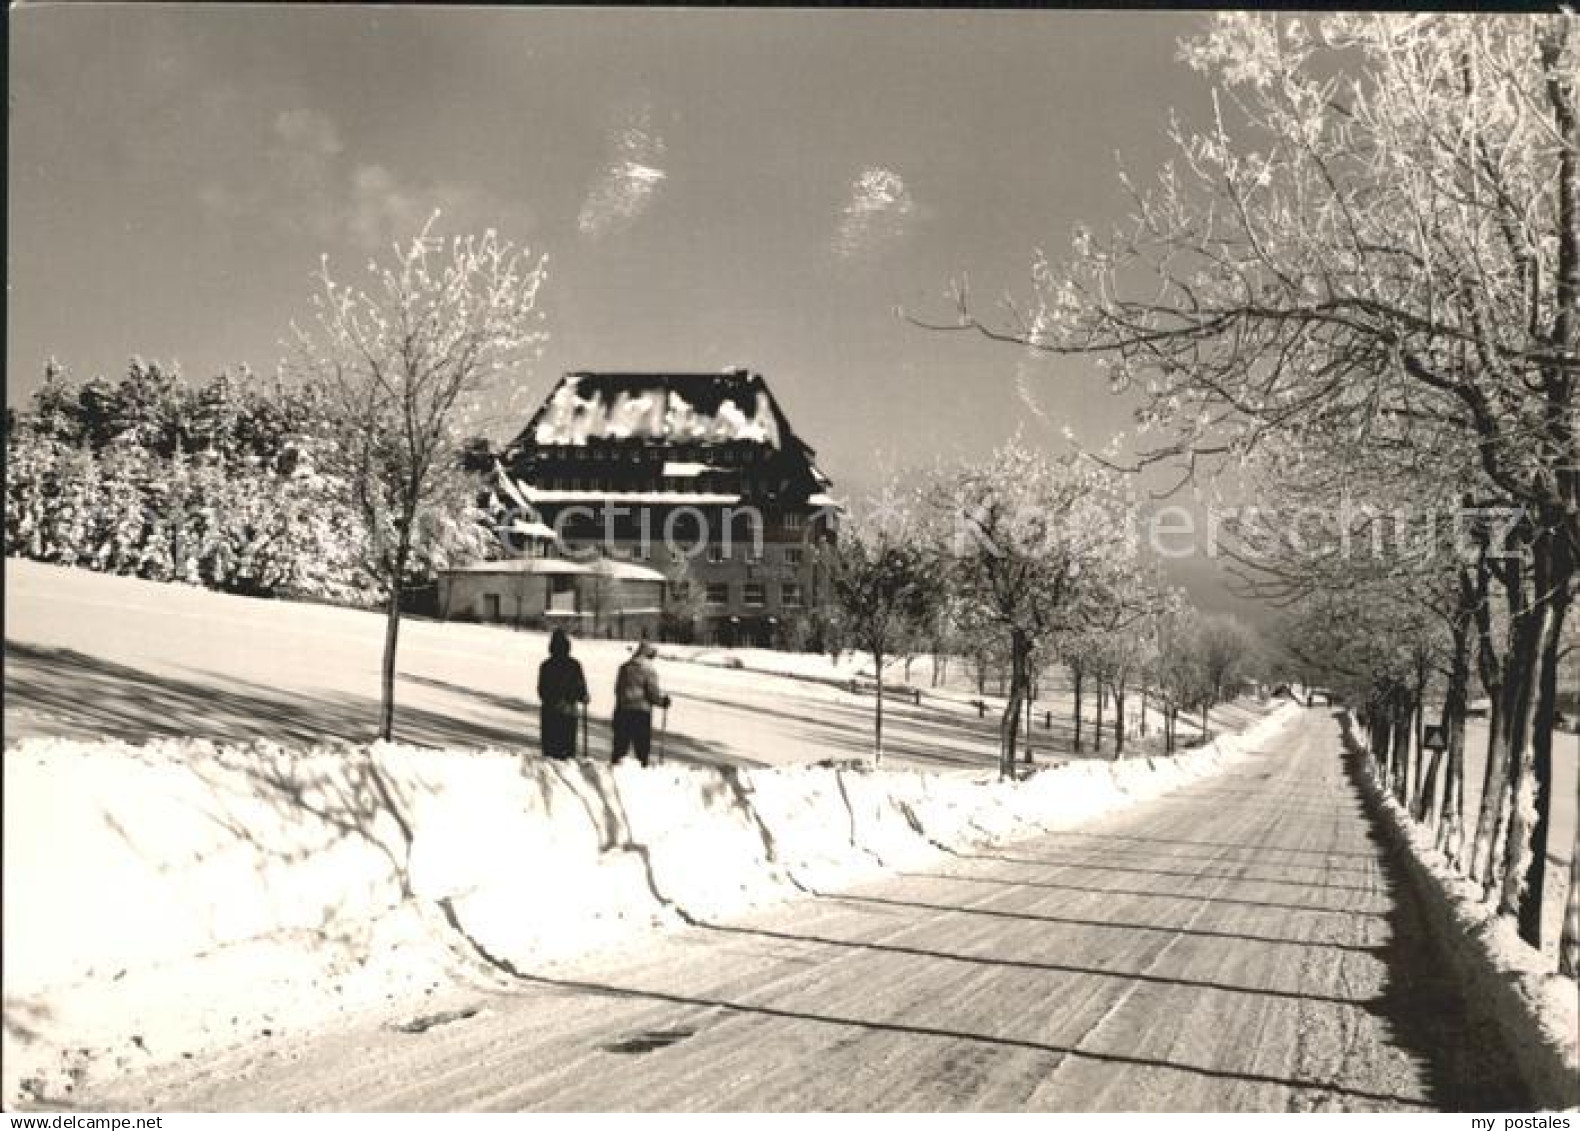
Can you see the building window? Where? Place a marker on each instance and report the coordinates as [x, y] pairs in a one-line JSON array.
[[794, 555], [755, 594], [794, 520], [718, 592], [754, 553], [680, 591], [790, 595], [716, 553], [490, 606]]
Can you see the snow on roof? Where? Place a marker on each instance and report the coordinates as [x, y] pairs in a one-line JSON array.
[[543, 567], [510, 487], [680, 469], [521, 565], [626, 571], [674, 407], [531, 530], [823, 499], [635, 498]]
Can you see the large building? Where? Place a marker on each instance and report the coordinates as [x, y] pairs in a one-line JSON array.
[[697, 478]]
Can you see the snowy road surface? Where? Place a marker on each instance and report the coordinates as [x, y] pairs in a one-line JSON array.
[[1241, 944]]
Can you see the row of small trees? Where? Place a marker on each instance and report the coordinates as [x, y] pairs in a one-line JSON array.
[[1367, 263], [1436, 605], [1034, 561]]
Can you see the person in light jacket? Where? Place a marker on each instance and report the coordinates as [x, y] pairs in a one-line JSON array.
[[562, 689], [636, 693]]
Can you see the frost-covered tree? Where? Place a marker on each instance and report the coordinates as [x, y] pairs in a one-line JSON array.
[[885, 590], [402, 364], [55, 407], [148, 408], [1033, 542], [1224, 648], [1119, 645], [1380, 222]]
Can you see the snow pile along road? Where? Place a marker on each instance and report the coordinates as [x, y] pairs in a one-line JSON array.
[[1536, 1009], [172, 898]]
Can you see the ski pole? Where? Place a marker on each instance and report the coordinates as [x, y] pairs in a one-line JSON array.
[[663, 732], [586, 750]]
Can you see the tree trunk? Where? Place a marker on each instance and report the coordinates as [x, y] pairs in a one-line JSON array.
[[1525, 877], [1535, 887], [1097, 724], [1451, 813], [1404, 713], [1076, 675], [1031, 695], [1424, 787], [877, 716], [392, 636], [1527, 674], [1490, 668], [1009, 727], [1119, 720], [1382, 741], [1569, 943], [1426, 810]]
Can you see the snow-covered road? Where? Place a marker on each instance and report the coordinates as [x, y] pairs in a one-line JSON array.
[[1242, 944]]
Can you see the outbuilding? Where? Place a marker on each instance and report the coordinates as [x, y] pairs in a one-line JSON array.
[[596, 598]]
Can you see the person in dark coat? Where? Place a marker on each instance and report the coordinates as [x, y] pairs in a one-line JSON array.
[[636, 693], [562, 688]]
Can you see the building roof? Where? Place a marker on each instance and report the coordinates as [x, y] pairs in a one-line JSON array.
[[632, 498], [649, 438], [734, 406]]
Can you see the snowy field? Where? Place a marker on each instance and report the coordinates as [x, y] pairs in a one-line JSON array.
[[170, 899], [90, 655]]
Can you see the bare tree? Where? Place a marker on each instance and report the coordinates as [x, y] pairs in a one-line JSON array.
[[1033, 542], [1381, 223], [885, 592], [404, 364]]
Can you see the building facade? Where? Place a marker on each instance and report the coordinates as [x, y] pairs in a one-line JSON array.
[[697, 476]]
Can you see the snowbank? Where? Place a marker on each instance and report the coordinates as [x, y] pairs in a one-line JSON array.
[[171, 898], [1536, 1009]]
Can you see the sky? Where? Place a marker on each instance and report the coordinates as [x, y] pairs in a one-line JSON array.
[[713, 188]]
